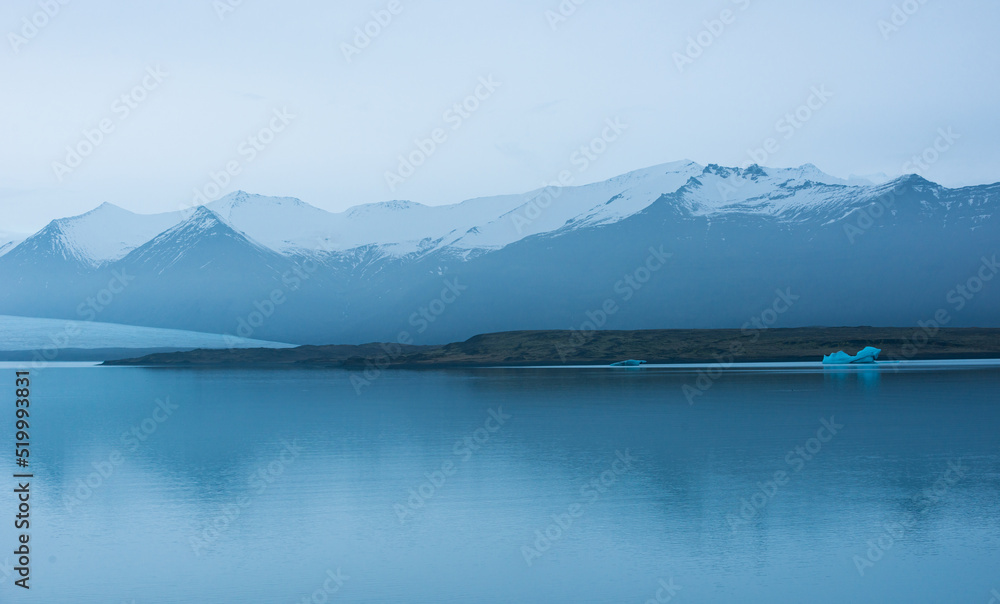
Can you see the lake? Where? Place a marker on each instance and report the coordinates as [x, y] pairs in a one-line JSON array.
[[773, 483]]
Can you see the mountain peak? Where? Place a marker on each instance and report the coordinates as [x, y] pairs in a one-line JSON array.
[[235, 199], [909, 180], [104, 234], [203, 211], [809, 171], [721, 171], [202, 218], [106, 209], [107, 206], [203, 237], [240, 198], [396, 205], [916, 179], [200, 221], [289, 226], [241, 201]]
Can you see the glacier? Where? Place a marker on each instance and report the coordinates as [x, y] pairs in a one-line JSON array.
[[27, 333]]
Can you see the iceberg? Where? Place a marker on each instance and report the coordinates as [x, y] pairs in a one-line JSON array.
[[628, 363], [868, 354]]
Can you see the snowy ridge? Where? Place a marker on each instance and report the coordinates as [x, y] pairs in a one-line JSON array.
[[784, 193], [400, 229], [104, 234], [547, 210], [283, 224], [203, 227], [108, 233], [553, 251]]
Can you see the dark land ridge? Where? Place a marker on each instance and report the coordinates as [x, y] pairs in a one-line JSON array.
[[656, 346]]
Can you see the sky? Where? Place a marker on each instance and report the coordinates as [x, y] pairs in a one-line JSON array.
[[158, 106]]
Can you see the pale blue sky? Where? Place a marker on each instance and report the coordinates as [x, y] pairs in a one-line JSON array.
[[891, 95]]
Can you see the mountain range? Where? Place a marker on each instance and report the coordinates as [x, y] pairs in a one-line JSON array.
[[677, 245]]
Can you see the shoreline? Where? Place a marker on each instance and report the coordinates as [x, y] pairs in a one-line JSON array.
[[556, 348]]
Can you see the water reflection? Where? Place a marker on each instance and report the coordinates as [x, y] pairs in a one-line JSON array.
[[867, 375], [291, 474]]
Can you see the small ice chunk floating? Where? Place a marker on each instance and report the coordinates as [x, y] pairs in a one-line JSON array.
[[868, 354], [628, 363]]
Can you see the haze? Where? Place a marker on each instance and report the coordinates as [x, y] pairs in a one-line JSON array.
[[213, 74]]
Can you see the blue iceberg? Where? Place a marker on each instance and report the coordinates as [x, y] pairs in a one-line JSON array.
[[628, 363], [868, 354]]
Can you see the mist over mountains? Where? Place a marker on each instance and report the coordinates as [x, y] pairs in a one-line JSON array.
[[677, 245]]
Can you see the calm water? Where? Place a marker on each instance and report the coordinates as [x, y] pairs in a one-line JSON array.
[[287, 486]]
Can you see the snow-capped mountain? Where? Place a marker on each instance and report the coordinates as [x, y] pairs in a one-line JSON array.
[[204, 240], [284, 224], [104, 234], [853, 251], [177, 272], [401, 228]]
